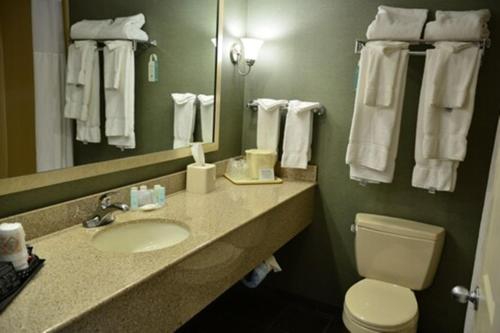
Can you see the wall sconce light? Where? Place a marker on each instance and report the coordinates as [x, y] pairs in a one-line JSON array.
[[247, 49]]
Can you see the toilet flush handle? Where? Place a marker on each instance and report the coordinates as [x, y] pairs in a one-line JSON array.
[[354, 228]]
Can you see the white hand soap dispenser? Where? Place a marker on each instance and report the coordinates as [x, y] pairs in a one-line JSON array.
[[200, 175]]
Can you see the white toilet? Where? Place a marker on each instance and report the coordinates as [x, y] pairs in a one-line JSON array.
[[395, 256]]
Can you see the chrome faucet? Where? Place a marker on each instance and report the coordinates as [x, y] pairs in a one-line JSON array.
[[104, 213]]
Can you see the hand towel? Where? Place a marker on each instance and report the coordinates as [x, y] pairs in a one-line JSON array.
[[383, 62], [184, 119], [119, 89], [120, 28], [82, 90], [397, 23], [447, 114], [374, 135], [440, 173], [207, 117], [459, 25], [268, 123], [297, 138]]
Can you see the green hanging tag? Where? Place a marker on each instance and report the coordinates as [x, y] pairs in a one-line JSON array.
[[153, 68]]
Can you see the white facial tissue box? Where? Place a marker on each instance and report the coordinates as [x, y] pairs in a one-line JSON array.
[[200, 178]]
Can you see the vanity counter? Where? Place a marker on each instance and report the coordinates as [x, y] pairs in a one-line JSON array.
[[232, 229]]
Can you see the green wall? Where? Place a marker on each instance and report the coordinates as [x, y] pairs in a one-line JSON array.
[[308, 55], [183, 29], [230, 136]]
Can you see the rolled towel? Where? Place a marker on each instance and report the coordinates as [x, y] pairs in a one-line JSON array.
[[13, 245], [397, 23], [459, 25]]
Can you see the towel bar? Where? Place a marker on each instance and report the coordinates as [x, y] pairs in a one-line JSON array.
[[252, 105], [359, 44], [135, 43]]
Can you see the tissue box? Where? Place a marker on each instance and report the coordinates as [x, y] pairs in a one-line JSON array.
[[200, 179]]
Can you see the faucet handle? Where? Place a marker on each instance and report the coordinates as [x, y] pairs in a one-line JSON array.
[[105, 199]]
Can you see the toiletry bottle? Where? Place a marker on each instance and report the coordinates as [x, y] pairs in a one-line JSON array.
[[159, 195], [143, 194], [134, 198]]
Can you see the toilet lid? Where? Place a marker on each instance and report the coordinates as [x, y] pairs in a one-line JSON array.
[[380, 304]]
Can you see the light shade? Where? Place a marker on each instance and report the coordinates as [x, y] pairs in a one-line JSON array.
[[251, 47]]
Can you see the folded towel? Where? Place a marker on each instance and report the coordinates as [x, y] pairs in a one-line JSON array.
[[120, 28], [268, 123], [119, 88], [447, 114], [459, 25], [82, 90], [207, 117], [441, 133], [454, 65], [397, 23], [374, 135], [382, 68], [184, 119], [89, 29], [297, 139]]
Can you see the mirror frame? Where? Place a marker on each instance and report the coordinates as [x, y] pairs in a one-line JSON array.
[[48, 178]]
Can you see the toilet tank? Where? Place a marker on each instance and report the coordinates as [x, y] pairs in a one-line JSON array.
[[398, 251]]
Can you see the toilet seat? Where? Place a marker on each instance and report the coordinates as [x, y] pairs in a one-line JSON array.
[[377, 306]]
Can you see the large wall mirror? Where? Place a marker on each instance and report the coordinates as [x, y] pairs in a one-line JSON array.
[[89, 87]]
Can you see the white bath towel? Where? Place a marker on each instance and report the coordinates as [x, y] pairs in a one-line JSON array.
[[184, 119], [268, 123], [397, 23], [452, 83], [120, 28], [433, 173], [89, 29], [382, 69], [374, 135], [459, 25], [82, 90], [119, 88], [297, 138], [207, 117]]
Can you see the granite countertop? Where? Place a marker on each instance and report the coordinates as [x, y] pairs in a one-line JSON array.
[[77, 277]]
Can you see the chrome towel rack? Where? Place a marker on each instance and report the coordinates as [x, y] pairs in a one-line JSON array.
[[418, 47], [253, 106], [135, 43]]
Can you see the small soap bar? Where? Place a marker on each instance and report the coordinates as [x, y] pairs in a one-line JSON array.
[[200, 179]]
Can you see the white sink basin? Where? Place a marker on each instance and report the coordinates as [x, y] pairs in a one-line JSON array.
[[140, 236]]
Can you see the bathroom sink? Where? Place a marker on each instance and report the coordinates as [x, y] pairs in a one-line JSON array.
[[140, 236]]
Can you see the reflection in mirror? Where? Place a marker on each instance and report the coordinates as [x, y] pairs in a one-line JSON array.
[[136, 77]]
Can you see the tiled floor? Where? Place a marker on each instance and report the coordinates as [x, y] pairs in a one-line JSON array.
[[242, 310]]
